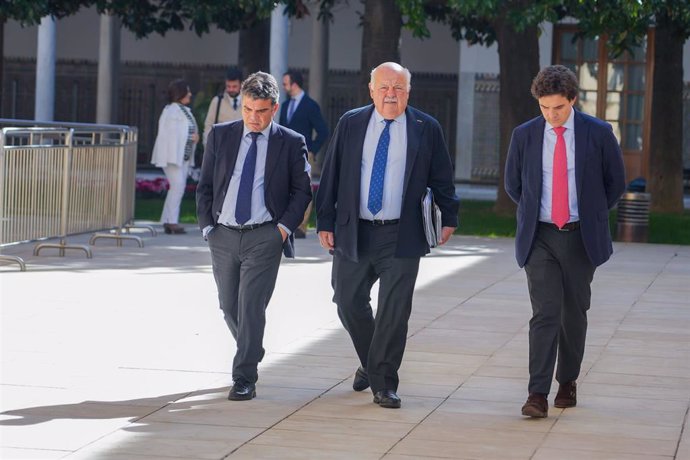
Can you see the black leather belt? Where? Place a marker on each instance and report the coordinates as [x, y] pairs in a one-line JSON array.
[[379, 222], [246, 228], [569, 227]]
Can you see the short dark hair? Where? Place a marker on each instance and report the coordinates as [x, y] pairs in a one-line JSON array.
[[555, 79], [295, 77], [177, 90], [233, 74], [261, 85]]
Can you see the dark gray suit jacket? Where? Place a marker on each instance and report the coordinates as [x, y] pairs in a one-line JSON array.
[[287, 187], [599, 179], [428, 165]]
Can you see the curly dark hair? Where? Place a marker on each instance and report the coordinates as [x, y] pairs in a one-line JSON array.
[[177, 90], [555, 79]]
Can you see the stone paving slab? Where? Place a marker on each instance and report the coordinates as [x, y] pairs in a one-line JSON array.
[[126, 356]]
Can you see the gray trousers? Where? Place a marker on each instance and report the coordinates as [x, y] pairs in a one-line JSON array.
[[245, 266], [559, 275], [379, 341]]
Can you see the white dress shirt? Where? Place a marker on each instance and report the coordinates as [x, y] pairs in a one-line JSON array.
[[547, 169], [395, 167]]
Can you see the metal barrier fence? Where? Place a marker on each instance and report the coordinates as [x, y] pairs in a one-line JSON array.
[[63, 179]]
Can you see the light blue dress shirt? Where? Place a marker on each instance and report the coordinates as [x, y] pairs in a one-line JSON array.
[[395, 167], [293, 104], [547, 169], [259, 212]]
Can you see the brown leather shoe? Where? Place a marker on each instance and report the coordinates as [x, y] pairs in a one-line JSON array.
[[566, 396], [536, 406]]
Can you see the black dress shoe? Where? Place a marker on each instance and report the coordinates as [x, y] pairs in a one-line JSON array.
[[242, 391], [173, 229], [361, 381], [387, 399]]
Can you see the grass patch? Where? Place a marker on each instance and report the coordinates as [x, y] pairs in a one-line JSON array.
[[151, 208], [476, 218], [669, 228]]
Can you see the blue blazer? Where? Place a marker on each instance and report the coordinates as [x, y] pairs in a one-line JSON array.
[[287, 187], [307, 119], [599, 180], [428, 165]]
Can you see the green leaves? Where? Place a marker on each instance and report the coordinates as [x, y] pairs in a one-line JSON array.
[[30, 12], [626, 22]]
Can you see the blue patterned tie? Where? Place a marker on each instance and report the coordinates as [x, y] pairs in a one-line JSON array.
[[378, 171], [243, 209]]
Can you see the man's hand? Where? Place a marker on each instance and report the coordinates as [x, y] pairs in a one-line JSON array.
[[327, 240], [446, 233], [283, 233]]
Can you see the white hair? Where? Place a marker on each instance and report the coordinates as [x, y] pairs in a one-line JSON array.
[[404, 70]]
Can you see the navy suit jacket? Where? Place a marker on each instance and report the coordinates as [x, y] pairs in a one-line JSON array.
[[599, 180], [428, 165], [307, 119], [287, 187]]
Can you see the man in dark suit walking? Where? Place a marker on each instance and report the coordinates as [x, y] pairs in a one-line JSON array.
[[565, 171], [253, 191], [379, 163], [302, 114]]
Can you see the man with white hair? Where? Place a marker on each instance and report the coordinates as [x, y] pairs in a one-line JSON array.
[[378, 165]]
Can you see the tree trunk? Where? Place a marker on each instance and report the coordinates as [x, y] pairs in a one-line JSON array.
[[382, 22], [255, 48], [666, 139], [518, 54]]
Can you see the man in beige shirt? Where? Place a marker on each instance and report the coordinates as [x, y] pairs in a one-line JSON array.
[[230, 108]]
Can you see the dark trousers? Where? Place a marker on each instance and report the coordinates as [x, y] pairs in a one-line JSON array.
[[379, 341], [559, 275], [245, 266]]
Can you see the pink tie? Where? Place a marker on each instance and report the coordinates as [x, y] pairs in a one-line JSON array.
[[559, 198]]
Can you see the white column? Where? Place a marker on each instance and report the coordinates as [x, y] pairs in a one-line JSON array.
[[108, 69], [465, 123], [44, 107], [279, 43], [318, 66]]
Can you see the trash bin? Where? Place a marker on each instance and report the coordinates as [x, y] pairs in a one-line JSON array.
[[633, 217]]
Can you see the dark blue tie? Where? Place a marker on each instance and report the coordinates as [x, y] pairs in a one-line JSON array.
[[378, 171], [291, 109], [243, 209]]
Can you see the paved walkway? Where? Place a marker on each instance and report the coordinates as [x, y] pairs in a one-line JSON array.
[[126, 356]]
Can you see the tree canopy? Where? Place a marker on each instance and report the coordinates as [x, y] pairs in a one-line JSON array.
[[30, 12]]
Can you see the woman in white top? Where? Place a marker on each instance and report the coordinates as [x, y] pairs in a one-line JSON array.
[[174, 150]]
